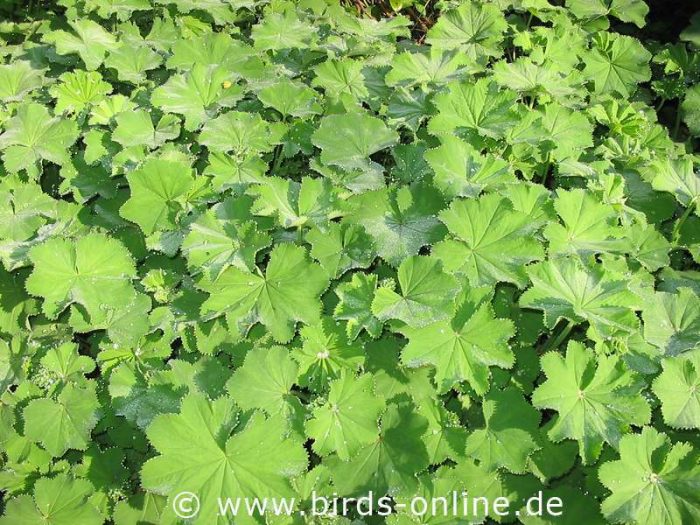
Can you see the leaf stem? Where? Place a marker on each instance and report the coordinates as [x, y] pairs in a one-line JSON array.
[[547, 164], [679, 224], [555, 341], [302, 396], [661, 104], [677, 123], [278, 159]]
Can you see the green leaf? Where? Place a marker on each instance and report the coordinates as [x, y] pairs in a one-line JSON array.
[[399, 220], [676, 176], [32, 136], [384, 466], [282, 31], [626, 10], [691, 109], [93, 271], [678, 389], [464, 347], [508, 438], [265, 249], [596, 397], [17, 80], [265, 382], [125, 324], [652, 482], [62, 500], [220, 12], [649, 246], [341, 248], [355, 304], [137, 399], [79, 90], [132, 62], [427, 294], [64, 423], [445, 438], [27, 209], [326, 354], [287, 293], [525, 76], [197, 95], [65, 362], [209, 49], [146, 507], [238, 132], [692, 32], [135, 128], [564, 288], [569, 131], [88, 39], [473, 29], [296, 205], [590, 226], [15, 308], [489, 242], [348, 419], [290, 99], [219, 239], [616, 64], [672, 321], [348, 140], [342, 80], [159, 192], [123, 9], [480, 108], [461, 171], [250, 459], [229, 171], [103, 112], [433, 67]]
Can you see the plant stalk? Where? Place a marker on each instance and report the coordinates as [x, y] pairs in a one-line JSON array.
[[554, 342]]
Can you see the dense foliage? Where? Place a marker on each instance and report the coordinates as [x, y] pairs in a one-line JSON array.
[[258, 248]]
